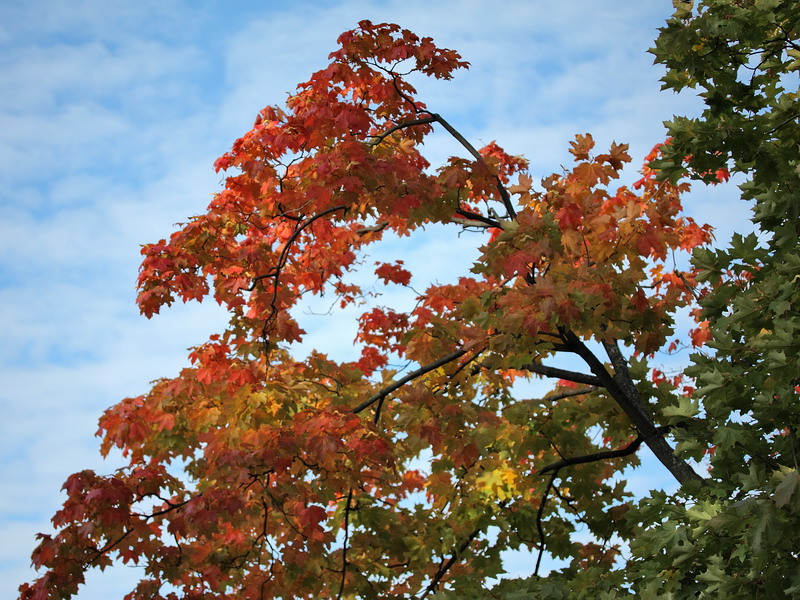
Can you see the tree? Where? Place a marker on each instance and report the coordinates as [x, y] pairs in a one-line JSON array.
[[254, 474], [739, 538]]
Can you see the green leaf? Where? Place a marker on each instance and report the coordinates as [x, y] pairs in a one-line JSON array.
[[786, 489], [687, 407], [764, 529]]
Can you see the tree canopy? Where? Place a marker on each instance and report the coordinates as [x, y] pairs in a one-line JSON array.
[[739, 538], [255, 473]]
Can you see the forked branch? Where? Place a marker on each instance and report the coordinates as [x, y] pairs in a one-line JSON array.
[[621, 387]]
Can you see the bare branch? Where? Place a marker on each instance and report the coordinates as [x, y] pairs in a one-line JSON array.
[[372, 228], [469, 223], [564, 374], [488, 221], [570, 393]]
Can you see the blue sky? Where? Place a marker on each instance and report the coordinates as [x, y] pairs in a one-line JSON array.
[[111, 116]]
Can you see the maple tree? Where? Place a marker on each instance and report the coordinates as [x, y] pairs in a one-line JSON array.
[[256, 474], [738, 537]]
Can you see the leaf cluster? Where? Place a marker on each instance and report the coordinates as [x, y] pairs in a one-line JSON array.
[[255, 474]]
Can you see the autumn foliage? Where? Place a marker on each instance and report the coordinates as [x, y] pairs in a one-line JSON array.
[[256, 474]]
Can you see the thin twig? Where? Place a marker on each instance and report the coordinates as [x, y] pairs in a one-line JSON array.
[[539, 527], [344, 547], [109, 546], [686, 283], [276, 271], [442, 571]]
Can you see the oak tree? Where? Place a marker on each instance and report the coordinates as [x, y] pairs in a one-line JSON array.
[[255, 473]]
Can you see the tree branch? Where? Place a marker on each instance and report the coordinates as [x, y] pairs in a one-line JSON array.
[[442, 571], [372, 228], [344, 545], [654, 439], [564, 374], [275, 272], [469, 223], [539, 514], [411, 376], [501, 189], [554, 469], [377, 139], [623, 390], [478, 217], [569, 394], [444, 568], [434, 117], [630, 448], [108, 547]]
